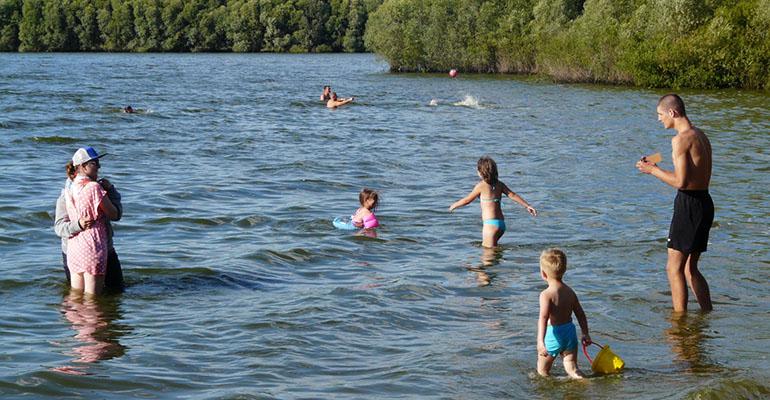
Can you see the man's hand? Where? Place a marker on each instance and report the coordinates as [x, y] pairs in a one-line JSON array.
[[106, 184], [645, 166]]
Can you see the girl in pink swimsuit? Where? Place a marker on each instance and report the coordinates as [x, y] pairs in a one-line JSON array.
[[87, 201], [364, 217]]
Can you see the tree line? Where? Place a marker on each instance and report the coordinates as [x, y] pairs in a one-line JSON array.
[[184, 25], [652, 43]]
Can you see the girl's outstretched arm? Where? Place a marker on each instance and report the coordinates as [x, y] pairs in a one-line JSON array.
[[466, 200], [515, 197]]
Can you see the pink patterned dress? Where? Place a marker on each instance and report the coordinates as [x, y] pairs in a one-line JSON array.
[[87, 251]]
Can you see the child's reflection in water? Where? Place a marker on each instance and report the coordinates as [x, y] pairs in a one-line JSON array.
[[489, 258]]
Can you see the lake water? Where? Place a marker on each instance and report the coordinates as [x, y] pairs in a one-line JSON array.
[[239, 286]]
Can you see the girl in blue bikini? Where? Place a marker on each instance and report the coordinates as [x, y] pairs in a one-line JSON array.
[[490, 190]]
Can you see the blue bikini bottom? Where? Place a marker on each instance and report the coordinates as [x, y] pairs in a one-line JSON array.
[[499, 223]]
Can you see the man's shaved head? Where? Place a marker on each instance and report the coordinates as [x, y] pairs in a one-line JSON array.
[[672, 102]]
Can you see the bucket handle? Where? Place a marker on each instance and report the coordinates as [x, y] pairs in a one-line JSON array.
[[590, 361]]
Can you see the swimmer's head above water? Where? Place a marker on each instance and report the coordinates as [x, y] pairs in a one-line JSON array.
[[369, 199], [326, 94]]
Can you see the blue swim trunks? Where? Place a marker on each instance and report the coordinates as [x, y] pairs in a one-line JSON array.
[[499, 223], [560, 338]]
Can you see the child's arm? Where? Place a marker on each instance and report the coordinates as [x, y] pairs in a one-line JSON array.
[[466, 200], [541, 323], [515, 197], [581, 317]]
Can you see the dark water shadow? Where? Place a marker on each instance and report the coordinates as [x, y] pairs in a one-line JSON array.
[[689, 342], [96, 332]]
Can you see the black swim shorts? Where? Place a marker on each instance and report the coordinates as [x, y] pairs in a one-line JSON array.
[[690, 225]]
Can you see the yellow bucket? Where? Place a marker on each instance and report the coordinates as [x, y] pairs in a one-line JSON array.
[[605, 362]]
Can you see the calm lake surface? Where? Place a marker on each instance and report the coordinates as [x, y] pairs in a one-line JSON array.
[[239, 286]]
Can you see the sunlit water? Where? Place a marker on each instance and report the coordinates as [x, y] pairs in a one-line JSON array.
[[239, 286]]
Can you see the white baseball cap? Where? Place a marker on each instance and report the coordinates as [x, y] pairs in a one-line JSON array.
[[85, 154]]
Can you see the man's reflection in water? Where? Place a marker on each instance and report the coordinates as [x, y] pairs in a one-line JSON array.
[[688, 340], [489, 258], [96, 334]]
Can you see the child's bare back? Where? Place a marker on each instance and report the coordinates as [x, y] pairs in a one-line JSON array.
[[556, 334], [561, 300]]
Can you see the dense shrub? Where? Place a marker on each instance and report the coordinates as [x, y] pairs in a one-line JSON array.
[[184, 25], [655, 43], [652, 43]]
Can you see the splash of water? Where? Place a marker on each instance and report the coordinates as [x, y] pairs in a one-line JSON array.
[[469, 101]]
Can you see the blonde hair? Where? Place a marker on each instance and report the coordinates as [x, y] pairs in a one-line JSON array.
[[554, 262]]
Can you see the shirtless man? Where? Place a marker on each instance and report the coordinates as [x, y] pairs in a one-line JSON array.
[[334, 102], [693, 208]]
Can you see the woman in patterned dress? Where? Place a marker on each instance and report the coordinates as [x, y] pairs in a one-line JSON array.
[[87, 200]]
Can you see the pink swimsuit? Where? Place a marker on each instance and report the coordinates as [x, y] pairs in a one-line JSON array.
[[370, 221], [87, 251]]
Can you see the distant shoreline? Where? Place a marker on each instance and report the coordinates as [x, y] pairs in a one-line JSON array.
[[694, 45]]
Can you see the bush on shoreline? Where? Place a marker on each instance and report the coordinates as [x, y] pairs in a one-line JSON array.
[[651, 43], [184, 25]]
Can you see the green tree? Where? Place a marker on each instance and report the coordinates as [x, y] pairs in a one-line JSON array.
[[10, 18], [195, 29], [116, 23], [174, 24], [31, 30], [337, 23], [394, 32], [353, 41], [514, 39], [311, 16], [82, 20], [244, 30], [278, 19], [148, 25], [586, 49], [56, 33], [212, 31], [758, 51]]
